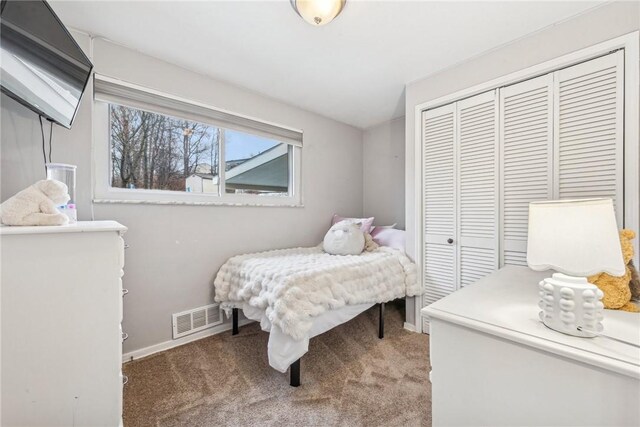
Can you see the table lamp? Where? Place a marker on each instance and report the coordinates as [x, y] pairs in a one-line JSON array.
[[576, 238]]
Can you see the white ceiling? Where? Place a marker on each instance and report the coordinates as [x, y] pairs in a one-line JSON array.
[[353, 70]]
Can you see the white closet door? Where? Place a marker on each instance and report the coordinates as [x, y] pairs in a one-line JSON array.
[[439, 262], [477, 172], [526, 136], [589, 130]]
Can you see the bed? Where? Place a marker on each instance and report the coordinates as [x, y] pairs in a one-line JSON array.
[[300, 293]]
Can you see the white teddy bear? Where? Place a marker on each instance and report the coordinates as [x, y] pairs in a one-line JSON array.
[[36, 205], [344, 238]]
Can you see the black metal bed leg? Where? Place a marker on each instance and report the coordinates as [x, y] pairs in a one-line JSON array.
[[234, 320], [381, 326], [295, 374]]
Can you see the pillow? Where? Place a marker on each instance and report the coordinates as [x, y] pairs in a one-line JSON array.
[[383, 226], [389, 237], [344, 238], [365, 223]]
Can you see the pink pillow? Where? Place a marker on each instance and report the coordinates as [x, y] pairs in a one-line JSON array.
[[389, 237], [383, 226], [365, 223]]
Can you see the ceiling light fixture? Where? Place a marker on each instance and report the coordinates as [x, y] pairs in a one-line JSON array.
[[318, 12]]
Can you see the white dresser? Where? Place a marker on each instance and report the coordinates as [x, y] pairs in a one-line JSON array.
[[61, 324], [495, 364]]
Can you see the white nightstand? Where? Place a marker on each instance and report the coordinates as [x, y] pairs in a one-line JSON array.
[[495, 364]]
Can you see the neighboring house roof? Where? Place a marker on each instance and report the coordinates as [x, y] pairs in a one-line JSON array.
[[203, 175], [203, 168], [268, 171], [233, 163]]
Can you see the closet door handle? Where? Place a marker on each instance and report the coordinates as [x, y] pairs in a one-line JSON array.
[[124, 292], [124, 336], [449, 240]]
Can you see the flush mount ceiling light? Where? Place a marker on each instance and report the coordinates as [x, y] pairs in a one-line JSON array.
[[318, 12]]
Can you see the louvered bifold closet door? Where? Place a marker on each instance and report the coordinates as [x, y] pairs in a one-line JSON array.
[[589, 130], [438, 203], [477, 170], [526, 135]]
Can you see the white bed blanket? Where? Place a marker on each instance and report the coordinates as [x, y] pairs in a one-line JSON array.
[[284, 350], [293, 286]]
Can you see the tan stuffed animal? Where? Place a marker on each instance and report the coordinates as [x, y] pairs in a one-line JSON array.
[[36, 205], [634, 284], [617, 291]]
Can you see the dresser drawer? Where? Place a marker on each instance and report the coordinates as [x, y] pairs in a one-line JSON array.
[[121, 248]]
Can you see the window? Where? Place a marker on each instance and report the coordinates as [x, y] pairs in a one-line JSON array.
[[255, 165], [160, 149], [156, 152]]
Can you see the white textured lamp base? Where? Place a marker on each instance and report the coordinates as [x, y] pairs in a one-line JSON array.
[[569, 303]]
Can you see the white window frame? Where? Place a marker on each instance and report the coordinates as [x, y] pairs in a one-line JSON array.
[[104, 193]]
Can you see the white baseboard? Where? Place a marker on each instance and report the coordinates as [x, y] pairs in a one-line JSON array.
[[152, 349], [410, 327]]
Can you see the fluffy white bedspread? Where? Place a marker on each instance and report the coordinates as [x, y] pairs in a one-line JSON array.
[[295, 285]]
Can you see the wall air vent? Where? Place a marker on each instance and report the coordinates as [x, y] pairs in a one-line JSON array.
[[197, 319]]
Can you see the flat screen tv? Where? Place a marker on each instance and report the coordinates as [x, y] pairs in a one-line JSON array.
[[41, 65]]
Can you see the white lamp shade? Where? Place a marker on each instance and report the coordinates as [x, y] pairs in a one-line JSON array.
[[575, 237]]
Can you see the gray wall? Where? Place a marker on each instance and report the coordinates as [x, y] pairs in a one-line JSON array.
[[604, 23], [383, 163], [176, 250], [21, 146]]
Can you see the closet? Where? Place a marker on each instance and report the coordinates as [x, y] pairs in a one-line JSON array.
[[484, 158]]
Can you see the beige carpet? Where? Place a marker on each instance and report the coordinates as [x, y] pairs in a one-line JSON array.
[[349, 378]]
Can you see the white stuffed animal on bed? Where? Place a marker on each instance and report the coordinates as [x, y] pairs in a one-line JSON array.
[[36, 205], [344, 238]]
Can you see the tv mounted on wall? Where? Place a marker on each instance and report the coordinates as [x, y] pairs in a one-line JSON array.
[[41, 65]]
